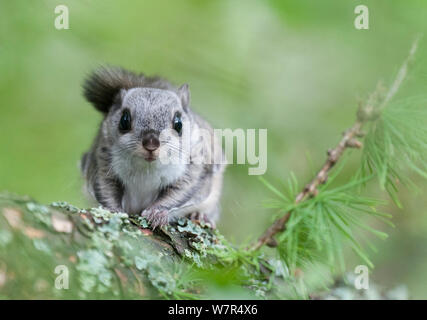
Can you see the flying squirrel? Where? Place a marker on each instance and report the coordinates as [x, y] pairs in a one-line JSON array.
[[152, 155]]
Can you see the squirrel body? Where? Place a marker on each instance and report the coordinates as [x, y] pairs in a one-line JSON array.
[[125, 170]]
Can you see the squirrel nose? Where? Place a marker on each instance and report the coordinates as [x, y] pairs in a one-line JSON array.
[[150, 142]]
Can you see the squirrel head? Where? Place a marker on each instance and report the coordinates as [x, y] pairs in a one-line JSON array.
[[143, 117]]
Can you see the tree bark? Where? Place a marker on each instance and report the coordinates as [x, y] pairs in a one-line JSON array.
[[63, 252]]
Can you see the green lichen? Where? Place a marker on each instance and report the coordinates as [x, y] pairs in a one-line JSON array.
[[131, 231], [141, 263], [142, 222], [102, 215], [67, 206], [112, 229], [158, 271], [88, 223], [40, 212], [194, 257], [5, 237], [94, 271], [200, 238], [42, 245]]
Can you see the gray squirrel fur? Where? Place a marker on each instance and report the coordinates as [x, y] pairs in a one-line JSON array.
[[124, 176]]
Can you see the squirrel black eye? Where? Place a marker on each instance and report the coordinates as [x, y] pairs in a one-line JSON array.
[[125, 121], [177, 123]]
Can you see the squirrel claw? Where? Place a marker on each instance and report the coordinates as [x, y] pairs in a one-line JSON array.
[[156, 216]]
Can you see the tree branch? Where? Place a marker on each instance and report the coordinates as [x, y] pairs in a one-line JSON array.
[[106, 255], [369, 111]]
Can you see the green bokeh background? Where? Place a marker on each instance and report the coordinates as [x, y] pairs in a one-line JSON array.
[[297, 68]]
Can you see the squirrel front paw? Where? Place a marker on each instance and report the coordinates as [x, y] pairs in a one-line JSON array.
[[157, 216]]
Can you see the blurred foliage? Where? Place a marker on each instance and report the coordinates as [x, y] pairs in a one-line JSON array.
[[297, 68]]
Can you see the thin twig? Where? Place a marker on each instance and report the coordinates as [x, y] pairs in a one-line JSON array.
[[368, 112], [401, 75]]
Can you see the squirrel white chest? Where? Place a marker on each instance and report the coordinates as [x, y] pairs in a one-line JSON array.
[[144, 181]]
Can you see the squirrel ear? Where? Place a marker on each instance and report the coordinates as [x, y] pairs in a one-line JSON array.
[[184, 95], [102, 87]]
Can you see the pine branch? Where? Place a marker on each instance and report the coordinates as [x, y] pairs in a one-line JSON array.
[[367, 112]]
